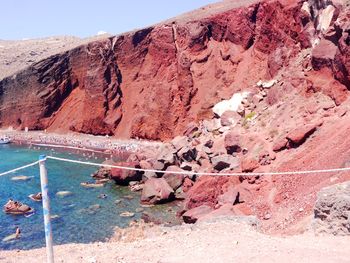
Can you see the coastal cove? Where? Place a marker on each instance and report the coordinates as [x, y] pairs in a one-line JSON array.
[[81, 216]]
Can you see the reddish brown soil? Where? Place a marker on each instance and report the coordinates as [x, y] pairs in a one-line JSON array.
[[151, 83]]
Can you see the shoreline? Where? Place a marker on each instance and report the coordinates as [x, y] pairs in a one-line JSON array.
[[78, 141], [196, 243]]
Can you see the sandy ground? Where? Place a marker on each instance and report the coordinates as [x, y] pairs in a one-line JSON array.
[[221, 241], [77, 140]]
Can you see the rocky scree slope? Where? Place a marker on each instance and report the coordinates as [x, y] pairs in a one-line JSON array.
[[292, 59]]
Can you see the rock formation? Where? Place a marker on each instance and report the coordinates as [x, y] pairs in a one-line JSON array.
[[246, 86]]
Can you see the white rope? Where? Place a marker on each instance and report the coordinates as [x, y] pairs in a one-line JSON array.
[[334, 170], [19, 168]]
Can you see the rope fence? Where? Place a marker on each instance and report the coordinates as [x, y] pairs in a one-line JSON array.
[[332, 170], [19, 168], [46, 201]]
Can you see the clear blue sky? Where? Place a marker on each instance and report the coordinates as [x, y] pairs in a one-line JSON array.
[[40, 18]]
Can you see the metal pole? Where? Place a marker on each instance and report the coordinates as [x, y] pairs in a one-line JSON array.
[[46, 208]]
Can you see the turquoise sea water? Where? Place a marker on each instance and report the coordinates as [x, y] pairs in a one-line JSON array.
[[83, 217]]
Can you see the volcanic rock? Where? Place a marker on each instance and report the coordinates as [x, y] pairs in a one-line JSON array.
[[156, 190], [249, 164], [323, 54], [231, 196], [223, 161], [180, 142], [174, 180], [188, 153], [300, 134], [229, 118], [187, 184], [280, 144], [192, 215], [191, 129], [225, 210], [205, 191], [332, 210], [232, 142], [123, 176]]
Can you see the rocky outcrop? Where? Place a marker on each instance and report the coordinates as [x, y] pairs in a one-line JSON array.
[[241, 86], [332, 210], [156, 191], [191, 216], [124, 177], [151, 83]]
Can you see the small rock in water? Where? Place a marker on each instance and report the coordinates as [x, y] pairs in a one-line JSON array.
[[9, 238], [54, 216], [139, 210], [146, 205], [129, 197], [127, 214], [118, 201], [102, 196], [63, 193], [95, 207], [21, 178]]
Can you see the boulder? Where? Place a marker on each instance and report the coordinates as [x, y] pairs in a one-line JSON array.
[[187, 184], [144, 164], [180, 142], [280, 144], [209, 143], [156, 190], [122, 176], [180, 194], [191, 129], [323, 54], [325, 18], [194, 167], [223, 161], [187, 153], [147, 175], [158, 165], [231, 196], [232, 142], [299, 135], [174, 180], [232, 104], [202, 154], [211, 125], [224, 211], [205, 191], [205, 166], [166, 154], [332, 210], [192, 215], [230, 118], [249, 164], [133, 158]]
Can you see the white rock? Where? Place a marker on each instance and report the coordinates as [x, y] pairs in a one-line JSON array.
[[63, 193], [231, 104], [325, 18], [266, 84], [306, 8], [21, 178]]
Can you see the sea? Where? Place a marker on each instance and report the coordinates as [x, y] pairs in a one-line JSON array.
[[80, 217]]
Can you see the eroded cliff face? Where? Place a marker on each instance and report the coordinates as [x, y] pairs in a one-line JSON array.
[[153, 82]]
